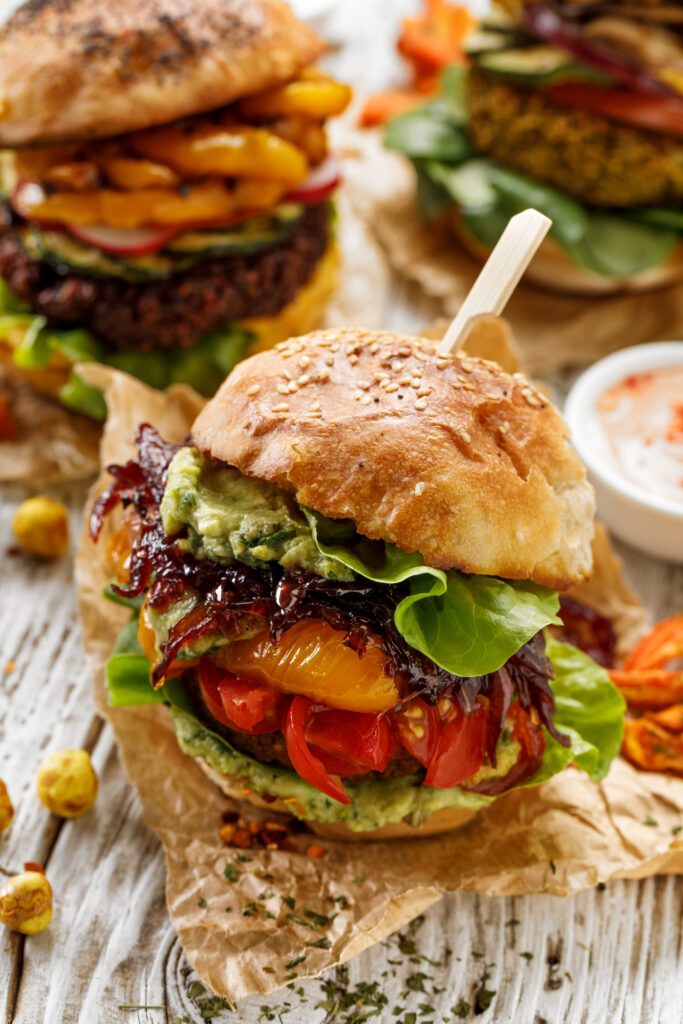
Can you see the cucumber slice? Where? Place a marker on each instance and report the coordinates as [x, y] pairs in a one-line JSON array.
[[536, 65], [249, 236], [67, 253]]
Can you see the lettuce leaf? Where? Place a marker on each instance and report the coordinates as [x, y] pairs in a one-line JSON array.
[[469, 625], [613, 243]]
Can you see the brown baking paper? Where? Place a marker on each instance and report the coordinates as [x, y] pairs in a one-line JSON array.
[[56, 446], [561, 838], [53, 445], [555, 331]]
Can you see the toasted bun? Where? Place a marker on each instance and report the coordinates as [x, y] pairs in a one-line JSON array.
[[82, 68], [448, 456], [552, 269], [445, 820]]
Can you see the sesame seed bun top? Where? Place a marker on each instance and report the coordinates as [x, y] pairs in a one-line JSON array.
[[446, 455]]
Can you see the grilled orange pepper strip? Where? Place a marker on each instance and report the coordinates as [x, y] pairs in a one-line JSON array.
[[230, 151], [206, 202], [129, 173], [313, 96], [652, 748]]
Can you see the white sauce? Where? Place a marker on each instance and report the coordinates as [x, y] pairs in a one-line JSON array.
[[642, 417]]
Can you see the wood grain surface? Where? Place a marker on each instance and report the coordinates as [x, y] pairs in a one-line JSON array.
[[111, 956]]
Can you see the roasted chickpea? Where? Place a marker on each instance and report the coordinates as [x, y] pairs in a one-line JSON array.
[[26, 903], [41, 527], [6, 808], [67, 783]]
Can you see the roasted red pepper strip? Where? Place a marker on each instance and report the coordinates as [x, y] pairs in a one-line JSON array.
[[652, 748], [459, 751], [304, 762], [240, 703]]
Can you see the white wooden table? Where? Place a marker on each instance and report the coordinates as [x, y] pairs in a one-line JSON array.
[[111, 955]]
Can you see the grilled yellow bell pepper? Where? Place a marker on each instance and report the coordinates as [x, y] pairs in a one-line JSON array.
[[228, 151], [129, 173], [209, 201], [313, 96]]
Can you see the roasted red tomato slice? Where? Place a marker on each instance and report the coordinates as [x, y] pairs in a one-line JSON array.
[[531, 739], [349, 742], [304, 761], [663, 114], [418, 725], [240, 703], [459, 750]]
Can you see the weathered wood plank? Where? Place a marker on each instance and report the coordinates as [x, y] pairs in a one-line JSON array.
[[620, 951]]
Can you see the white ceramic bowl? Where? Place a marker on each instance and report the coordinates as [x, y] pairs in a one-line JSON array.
[[647, 521]]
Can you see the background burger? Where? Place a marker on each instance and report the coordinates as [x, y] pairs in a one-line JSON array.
[[575, 108], [165, 187], [310, 655]]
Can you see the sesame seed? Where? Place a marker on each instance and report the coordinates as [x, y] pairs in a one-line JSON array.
[[396, 366], [417, 372], [282, 407], [466, 437], [315, 414], [282, 389], [304, 361], [374, 348], [303, 380], [315, 405], [441, 364], [364, 385], [467, 367], [335, 347], [405, 351], [421, 403], [416, 383], [365, 400], [390, 388], [419, 488], [504, 427], [404, 382], [329, 360], [323, 376], [533, 400], [384, 381], [426, 390], [466, 386], [353, 359], [254, 389]]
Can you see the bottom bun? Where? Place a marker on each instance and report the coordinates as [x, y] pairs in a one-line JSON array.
[[553, 270], [445, 820]]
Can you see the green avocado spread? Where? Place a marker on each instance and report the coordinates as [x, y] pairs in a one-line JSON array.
[[230, 517]]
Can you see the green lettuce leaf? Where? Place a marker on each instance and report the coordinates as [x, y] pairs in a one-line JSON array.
[[469, 625], [590, 710]]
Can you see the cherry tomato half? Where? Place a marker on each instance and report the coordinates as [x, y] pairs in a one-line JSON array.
[[239, 703]]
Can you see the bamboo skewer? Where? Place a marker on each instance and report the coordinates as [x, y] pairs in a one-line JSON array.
[[499, 276]]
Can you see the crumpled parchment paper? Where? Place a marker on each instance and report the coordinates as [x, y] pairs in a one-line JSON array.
[[554, 331], [56, 445], [245, 933]]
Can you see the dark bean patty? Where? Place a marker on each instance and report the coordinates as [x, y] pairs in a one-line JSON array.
[[178, 311], [597, 160]]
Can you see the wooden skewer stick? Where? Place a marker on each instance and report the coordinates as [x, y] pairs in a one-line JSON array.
[[499, 277]]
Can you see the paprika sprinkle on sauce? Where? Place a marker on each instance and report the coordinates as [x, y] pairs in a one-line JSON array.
[[642, 417]]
